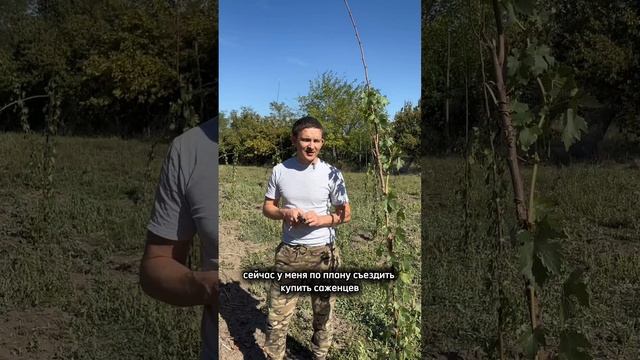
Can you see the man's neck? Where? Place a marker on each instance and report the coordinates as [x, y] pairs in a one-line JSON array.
[[306, 162]]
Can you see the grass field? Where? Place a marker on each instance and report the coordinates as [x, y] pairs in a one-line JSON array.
[[598, 208], [361, 317], [69, 288]]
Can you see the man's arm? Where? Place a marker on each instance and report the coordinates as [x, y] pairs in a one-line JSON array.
[[164, 276], [343, 213], [341, 216]]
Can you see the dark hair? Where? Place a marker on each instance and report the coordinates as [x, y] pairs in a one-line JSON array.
[[306, 123]]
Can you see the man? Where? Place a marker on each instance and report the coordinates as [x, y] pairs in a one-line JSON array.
[[186, 204], [301, 192]]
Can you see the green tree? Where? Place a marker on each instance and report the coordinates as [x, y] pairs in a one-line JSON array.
[[281, 119], [336, 102], [120, 66], [602, 50], [406, 131], [254, 139]]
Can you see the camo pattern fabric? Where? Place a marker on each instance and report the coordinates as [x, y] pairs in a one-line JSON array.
[[282, 306]]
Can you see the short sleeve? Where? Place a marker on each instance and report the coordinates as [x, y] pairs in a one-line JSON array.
[[337, 188], [171, 215], [272, 187]]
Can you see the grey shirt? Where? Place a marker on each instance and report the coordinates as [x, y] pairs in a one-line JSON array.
[[186, 204], [307, 187]]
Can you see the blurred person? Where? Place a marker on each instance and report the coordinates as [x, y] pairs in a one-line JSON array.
[[186, 204]]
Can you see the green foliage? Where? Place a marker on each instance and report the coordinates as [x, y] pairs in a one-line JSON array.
[[119, 65], [22, 109], [336, 103], [556, 116], [595, 206], [256, 139], [403, 332], [540, 256], [574, 125], [250, 138], [547, 106], [363, 317], [574, 290], [183, 110], [530, 62], [451, 36], [574, 346], [533, 341], [543, 36], [406, 130]]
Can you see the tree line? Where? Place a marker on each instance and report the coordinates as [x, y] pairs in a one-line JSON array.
[[593, 40], [247, 137], [121, 67]]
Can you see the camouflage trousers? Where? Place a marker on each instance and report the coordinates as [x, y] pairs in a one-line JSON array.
[[282, 305]]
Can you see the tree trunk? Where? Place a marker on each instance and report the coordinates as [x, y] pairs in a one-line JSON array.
[[498, 55], [446, 101], [509, 134]]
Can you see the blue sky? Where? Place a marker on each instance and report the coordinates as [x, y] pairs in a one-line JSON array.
[[272, 49]]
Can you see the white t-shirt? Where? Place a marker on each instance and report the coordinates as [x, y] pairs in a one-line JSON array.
[[308, 187]]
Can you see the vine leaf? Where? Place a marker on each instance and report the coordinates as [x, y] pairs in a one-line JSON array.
[[534, 61], [399, 163], [547, 228], [550, 260], [539, 257], [521, 115], [511, 13], [544, 206], [574, 346], [547, 252], [528, 136], [541, 59], [522, 118], [526, 253], [574, 126], [391, 203], [532, 341], [405, 277], [513, 64], [574, 287], [540, 272], [400, 234], [514, 7]]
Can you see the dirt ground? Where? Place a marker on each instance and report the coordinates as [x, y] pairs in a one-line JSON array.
[[241, 323], [33, 334]]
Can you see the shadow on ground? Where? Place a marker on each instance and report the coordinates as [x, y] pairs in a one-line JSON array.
[[239, 309]]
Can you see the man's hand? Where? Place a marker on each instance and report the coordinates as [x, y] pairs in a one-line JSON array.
[[342, 215], [209, 281], [164, 276], [293, 217], [312, 219]]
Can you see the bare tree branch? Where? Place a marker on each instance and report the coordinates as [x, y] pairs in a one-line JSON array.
[[25, 99]]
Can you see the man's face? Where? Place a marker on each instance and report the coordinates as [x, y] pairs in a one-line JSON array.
[[308, 144]]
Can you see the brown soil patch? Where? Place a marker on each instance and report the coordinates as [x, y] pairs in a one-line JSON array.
[[242, 323], [33, 334], [128, 264]]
